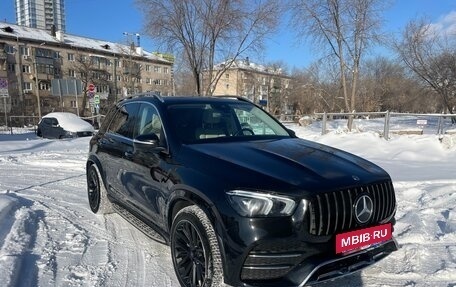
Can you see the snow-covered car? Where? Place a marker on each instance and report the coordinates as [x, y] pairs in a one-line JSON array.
[[63, 125]]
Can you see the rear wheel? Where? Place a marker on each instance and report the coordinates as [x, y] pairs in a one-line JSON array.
[[195, 249], [98, 198]]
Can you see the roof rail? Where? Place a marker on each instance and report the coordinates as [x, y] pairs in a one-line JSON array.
[[146, 94], [235, 97]]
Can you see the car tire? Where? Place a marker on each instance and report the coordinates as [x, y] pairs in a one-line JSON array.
[[96, 191], [195, 249], [38, 133]]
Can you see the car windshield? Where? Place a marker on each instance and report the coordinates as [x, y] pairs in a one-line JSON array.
[[193, 123]]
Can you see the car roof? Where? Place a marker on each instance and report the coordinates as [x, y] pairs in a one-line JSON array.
[[60, 115], [170, 100]]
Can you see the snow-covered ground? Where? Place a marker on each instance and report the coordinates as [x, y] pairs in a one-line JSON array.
[[49, 237]]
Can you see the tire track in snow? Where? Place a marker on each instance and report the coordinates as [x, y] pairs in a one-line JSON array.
[[110, 245]]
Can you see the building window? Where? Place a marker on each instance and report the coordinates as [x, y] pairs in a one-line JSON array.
[[119, 78], [25, 69], [73, 104], [148, 81], [45, 86], [9, 49], [165, 70], [157, 69], [25, 51], [45, 69], [227, 75], [71, 73], [26, 86], [11, 67], [147, 68]]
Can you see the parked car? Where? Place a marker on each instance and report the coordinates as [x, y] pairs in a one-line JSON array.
[[63, 125], [236, 195]]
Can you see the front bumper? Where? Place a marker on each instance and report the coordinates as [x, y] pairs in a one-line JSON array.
[[319, 268]]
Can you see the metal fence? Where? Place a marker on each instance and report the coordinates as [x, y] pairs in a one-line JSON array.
[[398, 123], [22, 124]]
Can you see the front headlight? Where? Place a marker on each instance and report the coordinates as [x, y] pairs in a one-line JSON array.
[[257, 204]]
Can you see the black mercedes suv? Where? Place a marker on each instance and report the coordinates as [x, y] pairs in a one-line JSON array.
[[236, 195]]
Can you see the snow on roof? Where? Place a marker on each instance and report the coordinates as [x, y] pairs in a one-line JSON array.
[[39, 35], [248, 65]]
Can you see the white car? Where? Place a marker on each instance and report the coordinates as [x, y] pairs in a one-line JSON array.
[[63, 125]]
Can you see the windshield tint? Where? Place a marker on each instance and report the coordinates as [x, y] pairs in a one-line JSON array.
[[198, 122]]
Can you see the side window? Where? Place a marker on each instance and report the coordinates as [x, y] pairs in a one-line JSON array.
[[123, 120], [50, 121], [149, 122]]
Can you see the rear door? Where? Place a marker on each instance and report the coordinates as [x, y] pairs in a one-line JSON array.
[[149, 168], [115, 149]]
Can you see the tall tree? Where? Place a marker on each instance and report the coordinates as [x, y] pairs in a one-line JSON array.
[[209, 31], [89, 71], [431, 55], [346, 28]]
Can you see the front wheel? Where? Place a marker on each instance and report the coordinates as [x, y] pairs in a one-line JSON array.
[[98, 198], [195, 249]]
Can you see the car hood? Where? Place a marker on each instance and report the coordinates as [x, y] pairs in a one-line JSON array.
[[297, 162]]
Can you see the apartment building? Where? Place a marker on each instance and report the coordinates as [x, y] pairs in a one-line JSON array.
[[48, 71], [267, 86], [41, 14]]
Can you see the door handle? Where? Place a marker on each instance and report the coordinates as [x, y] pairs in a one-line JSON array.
[[128, 154]]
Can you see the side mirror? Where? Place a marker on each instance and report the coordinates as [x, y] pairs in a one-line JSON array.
[[147, 143]]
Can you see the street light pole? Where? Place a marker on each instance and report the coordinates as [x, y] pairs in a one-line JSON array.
[[131, 50]]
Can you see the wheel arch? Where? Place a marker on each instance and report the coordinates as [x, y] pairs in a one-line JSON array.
[[92, 160], [185, 196]]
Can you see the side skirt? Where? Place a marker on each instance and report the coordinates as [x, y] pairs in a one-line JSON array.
[[138, 223]]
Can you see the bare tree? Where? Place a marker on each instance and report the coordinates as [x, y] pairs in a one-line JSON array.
[[209, 31], [130, 69], [430, 55], [388, 85], [347, 28], [89, 70]]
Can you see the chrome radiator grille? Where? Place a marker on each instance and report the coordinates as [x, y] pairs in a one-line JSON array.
[[333, 212]]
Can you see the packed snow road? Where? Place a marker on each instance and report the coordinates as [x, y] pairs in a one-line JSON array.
[[49, 237]]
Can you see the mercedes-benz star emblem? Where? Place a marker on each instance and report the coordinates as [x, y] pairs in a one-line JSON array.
[[363, 208]]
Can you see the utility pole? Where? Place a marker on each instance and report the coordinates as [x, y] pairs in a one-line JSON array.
[[37, 87]]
